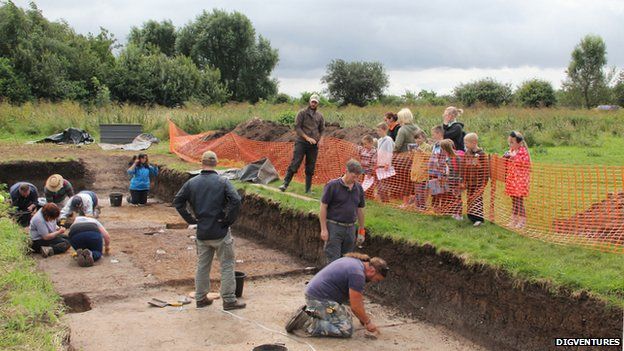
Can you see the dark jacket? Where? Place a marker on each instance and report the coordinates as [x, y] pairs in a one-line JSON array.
[[21, 202], [310, 122], [455, 132], [214, 201], [394, 131]]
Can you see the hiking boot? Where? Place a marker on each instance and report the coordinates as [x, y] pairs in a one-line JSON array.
[[297, 320], [47, 251], [84, 258], [283, 187], [233, 305], [203, 302]]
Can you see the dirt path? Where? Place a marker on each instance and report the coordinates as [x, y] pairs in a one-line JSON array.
[[151, 258]]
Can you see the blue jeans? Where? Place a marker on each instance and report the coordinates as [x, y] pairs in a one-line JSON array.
[[88, 240]]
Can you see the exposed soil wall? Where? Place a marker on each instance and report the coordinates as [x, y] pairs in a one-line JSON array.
[[37, 172], [483, 303]]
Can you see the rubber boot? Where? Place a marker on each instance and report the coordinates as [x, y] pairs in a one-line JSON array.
[[308, 184]]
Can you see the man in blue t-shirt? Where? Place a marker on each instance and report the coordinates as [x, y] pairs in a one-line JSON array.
[[342, 205], [338, 284]]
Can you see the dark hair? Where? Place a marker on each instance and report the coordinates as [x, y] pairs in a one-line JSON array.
[[136, 157], [75, 203], [516, 135], [391, 115], [50, 211]]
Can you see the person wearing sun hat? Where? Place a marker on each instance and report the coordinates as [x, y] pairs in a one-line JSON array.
[[58, 190]]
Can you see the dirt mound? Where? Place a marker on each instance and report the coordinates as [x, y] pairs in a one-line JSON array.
[[257, 129], [353, 134], [599, 221]]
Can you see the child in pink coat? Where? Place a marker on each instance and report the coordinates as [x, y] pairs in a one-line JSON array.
[[517, 177]]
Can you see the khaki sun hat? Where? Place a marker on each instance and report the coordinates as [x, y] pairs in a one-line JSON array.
[[54, 183]]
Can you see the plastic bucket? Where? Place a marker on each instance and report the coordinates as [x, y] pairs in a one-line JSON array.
[[270, 347], [240, 282], [116, 199]]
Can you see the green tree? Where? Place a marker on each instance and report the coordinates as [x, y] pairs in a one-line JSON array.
[[160, 35], [52, 60], [12, 87], [154, 78], [355, 83], [618, 90], [227, 41], [536, 93], [485, 91], [587, 81]]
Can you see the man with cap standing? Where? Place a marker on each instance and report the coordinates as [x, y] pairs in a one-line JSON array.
[[309, 126], [341, 205], [58, 190], [216, 205]]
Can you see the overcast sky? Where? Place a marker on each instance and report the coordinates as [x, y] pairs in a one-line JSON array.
[[431, 45]]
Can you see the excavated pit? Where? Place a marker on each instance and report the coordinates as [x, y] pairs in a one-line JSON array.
[[37, 172], [77, 302]]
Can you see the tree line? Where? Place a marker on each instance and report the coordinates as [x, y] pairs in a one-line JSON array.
[[589, 82], [215, 58], [218, 57]]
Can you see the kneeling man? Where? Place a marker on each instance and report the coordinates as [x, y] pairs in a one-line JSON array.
[[339, 284]]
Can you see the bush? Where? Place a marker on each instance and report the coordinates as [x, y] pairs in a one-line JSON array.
[[287, 118], [536, 93], [486, 91]]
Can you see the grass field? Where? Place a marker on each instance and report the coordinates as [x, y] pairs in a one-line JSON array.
[[29, 307]]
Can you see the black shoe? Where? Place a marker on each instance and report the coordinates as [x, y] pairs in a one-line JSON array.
[[234, 305], [283, 187], [297, 320], [203, 302]]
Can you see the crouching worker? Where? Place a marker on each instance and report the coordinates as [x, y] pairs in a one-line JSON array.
[[47, 238], [24, 197], [328, 293], [85, 203], [87, 236], [216, 205]]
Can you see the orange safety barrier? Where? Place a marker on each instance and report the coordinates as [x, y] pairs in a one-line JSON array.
[[561, 204]]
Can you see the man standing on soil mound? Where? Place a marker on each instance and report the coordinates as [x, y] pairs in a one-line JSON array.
[[341, 282], [309, 126], [216, 205]]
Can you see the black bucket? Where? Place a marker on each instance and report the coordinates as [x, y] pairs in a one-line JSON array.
[[116, 199], [240, 282], [270, 347]]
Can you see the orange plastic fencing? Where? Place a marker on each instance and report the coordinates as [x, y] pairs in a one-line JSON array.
[[562, 204]]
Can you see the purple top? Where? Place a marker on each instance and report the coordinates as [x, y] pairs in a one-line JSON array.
[[342, 202], [334, 281]]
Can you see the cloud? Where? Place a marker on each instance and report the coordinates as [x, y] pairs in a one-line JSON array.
[[421, 37]]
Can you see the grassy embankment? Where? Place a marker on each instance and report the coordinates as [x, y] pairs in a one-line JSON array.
[[29, 307]]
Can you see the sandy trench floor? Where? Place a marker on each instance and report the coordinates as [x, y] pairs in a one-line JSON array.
[[149, 260]]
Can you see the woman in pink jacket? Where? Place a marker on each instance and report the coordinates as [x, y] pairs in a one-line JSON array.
[[517, 177]]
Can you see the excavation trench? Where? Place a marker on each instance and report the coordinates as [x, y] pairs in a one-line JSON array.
[[482, 303]]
